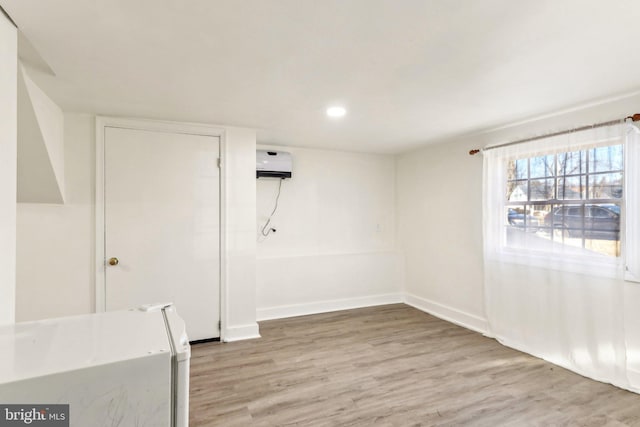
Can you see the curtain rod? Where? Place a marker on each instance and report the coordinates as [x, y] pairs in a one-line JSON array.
[[634, 118]]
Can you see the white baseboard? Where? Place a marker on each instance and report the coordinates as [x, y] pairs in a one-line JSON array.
[[244, 332], [283, 311], [634, 380], [450, 314]]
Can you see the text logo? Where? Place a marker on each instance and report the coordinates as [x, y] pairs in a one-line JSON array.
[[34, 415]]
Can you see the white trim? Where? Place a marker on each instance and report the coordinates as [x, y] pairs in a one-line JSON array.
[[224, 303], [450, 314], [157, 126], [634, 380], [99, 213], [244, 332], [283, 311], [325, 255], [631, 223]]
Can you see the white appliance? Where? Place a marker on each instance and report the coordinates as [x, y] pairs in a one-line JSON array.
[[116, 368], [273, 164]]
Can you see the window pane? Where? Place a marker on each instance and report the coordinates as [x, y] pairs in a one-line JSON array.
[[542, 167], [521, 168], [571, 188], [574, 211], [602, 231], [523, 218], [604, 159], [567, 217], [515, 216], [572, 163], [543, 213], [605, 218], [517, 191], [511, 170], [568, 224], [605, 186], [541, 189], [604, 247]]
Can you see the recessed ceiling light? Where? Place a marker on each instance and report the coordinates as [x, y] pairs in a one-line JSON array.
[[336, 111]]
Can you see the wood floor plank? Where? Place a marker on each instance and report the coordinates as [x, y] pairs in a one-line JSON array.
[[390, 366]]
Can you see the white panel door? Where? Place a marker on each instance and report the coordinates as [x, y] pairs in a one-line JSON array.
[[162, 217]]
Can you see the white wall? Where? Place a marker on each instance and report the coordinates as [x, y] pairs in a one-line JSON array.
[[334, 246], [51, 122], [240, 188], [8, 155], [40, 144], [440, 227], [440, 221], [56, 243]]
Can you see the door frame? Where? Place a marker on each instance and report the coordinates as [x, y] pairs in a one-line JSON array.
[[103, 122]]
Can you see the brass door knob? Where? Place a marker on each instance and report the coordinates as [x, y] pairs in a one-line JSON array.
[[113, 261]]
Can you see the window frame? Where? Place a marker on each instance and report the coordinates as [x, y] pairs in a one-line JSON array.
[[496, 247]]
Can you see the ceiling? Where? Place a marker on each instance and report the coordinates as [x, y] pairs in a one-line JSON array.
[[409, 72]]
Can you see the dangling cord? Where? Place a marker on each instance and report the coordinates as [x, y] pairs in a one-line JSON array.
[[266, 224]]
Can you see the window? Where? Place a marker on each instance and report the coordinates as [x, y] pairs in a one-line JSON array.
[[567, 202], [566, 199]]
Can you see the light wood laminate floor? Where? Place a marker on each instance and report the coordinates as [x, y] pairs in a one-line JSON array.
[[390, 366]]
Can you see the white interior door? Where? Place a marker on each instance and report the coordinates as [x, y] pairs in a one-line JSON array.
[[162, 217]]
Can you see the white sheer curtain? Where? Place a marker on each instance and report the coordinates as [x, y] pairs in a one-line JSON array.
[[555, 289]]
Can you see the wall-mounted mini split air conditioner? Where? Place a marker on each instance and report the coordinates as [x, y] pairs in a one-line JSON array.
[[273, 164]]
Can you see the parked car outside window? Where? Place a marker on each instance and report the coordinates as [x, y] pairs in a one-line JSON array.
[[520, 220], [588, 221]]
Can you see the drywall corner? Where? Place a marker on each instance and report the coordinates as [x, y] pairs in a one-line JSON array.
[[8, 167], [40, 144]]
